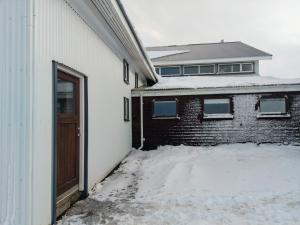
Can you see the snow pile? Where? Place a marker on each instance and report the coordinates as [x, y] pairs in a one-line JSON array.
[[240, 184], [195, 82]]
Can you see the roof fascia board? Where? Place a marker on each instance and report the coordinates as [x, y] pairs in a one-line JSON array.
[[203, 61], [127, 36], [220, 90], [131, 31]]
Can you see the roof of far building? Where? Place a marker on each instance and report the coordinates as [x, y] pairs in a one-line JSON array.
[[210, 52], [185, 85]]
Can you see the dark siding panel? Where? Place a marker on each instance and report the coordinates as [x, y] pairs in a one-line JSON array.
[[190, 129]]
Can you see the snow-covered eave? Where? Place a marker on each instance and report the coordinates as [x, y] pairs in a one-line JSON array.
[[216, 90], [203, 61]]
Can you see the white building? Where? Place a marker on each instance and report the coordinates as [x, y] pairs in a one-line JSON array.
[[67, 70]]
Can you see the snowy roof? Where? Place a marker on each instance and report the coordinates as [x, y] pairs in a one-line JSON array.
[[157, 54], [221, 50], [198, 82]]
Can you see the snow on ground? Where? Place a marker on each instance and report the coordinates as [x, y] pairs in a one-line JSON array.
[[242, 80], [240, 184]]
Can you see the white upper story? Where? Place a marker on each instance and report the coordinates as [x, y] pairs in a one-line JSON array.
[[221, 58]]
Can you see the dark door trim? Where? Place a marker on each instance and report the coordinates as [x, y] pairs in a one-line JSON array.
[[84, 194]]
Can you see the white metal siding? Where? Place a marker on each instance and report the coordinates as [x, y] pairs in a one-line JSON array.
[[62, 35], [15, 113]]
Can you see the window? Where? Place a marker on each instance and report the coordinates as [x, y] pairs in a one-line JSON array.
[[236, 68], [125, 71], [65, 96], [136, 82], [126, 109], [199, 69], [169, 71], [225, 68], [247, 67], [207, 69], [217, 108], [157, 70], [166, 109], [190, 70], [271, 106]]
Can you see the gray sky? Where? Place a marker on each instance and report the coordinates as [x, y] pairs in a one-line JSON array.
[[270, 25]]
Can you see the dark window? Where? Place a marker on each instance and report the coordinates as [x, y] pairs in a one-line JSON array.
[[188, 70], [273, 106], [236, 68], [126, 109], [136, 82], [225, 69], [247, 67], [207, 69], [165, 109], [65, 96], [168, 71], [217, 106], [126, 71]]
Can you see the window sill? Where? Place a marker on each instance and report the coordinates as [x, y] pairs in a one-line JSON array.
[[167, 118], [270, 116], [218, 116]]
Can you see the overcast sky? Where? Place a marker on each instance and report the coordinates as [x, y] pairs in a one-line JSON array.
[[270, 25]]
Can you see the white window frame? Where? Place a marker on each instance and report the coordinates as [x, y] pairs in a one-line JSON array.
[[231, 64], [199, 69], [247, 71], [273, 114], [207, 65], [158, 69], [170, 74], [191, 73], [218, 115]]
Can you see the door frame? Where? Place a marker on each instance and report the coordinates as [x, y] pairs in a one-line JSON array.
[[83, 148]]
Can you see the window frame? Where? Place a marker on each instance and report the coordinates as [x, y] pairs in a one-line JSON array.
[[207, 65], [169, 75], [126, 72], [286, 114], [126, 105], [165, 117], [191, 73], [241, 66], [218, 115], [199, 69], [157, 68], [247, 71]]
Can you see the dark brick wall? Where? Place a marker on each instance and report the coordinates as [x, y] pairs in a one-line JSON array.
[[192, 130]]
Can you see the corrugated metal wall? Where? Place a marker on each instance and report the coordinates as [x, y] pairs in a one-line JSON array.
[[15, 116]]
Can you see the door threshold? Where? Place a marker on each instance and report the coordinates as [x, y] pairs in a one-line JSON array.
[[66, 200]]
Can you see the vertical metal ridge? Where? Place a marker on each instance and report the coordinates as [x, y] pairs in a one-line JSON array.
[[14, 113]]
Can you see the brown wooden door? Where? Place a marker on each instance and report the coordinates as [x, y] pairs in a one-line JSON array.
[[68, 122]]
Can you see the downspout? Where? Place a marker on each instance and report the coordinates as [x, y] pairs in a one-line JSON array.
[[142, 121]]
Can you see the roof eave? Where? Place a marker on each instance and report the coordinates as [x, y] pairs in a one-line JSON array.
[[217, 90], [136, 39]]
